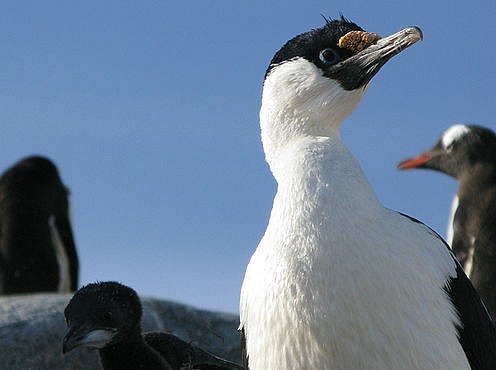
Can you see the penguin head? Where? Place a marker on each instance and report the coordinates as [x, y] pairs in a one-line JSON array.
[[459, 149]]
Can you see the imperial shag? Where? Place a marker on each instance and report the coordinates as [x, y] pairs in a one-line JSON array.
[[338, 281]]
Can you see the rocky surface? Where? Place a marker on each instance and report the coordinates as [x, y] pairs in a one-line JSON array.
[[32, 327]]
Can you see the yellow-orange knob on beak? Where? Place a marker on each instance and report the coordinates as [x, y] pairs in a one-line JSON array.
[[356, 41]]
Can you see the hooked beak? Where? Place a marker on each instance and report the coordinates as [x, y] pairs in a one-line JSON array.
[[357, 70], [82, 336], [414, 162]]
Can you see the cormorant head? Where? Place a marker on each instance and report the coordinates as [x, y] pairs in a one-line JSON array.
[[458, 149], [317, 78], [101, 314]]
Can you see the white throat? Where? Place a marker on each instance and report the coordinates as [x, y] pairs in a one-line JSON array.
[[298, 101]]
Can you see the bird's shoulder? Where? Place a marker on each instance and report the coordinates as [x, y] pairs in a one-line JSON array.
[[182, 354], [175, 351]]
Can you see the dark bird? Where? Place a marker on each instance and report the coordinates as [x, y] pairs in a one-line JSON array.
[[107, 316], [468, 154], [338, 281], [37, 250]]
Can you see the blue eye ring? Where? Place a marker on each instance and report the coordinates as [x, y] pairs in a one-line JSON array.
[[329, 56]]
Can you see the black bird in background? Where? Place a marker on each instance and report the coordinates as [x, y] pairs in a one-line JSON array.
[[468, 153], [107, 316], [37, 250]]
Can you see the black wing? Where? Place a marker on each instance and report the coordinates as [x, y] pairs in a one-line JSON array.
[[244, 354], [179, 353], [477, 334]]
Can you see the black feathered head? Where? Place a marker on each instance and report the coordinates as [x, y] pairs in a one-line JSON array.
[[100, 314]]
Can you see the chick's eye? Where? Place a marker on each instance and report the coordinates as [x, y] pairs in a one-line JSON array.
[[107, 316], [329, 56]]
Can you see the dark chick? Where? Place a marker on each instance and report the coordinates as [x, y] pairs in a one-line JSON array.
[[107, 316]]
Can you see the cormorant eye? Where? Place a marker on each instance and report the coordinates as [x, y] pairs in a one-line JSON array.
[[329, 56]]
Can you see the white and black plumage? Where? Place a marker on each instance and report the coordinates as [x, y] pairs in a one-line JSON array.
[[107, 316], [37, 250], [468, 153], [338, 281]]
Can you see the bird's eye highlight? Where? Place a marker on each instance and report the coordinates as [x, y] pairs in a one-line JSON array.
[[108, 316], [329, 56]]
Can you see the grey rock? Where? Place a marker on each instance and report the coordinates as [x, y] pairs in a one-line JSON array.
[[32, 327]]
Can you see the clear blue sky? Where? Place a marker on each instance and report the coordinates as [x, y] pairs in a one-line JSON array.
[[150, 111]]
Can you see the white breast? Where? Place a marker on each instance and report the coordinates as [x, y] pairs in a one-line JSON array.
[[338, 282], [467, 267], [62, 259], [451, 218]]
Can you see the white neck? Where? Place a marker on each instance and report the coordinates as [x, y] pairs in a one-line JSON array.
[[298, 101], [320, 187], [322, 174]]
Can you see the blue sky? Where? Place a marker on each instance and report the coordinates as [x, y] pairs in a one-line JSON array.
[[150, 111]]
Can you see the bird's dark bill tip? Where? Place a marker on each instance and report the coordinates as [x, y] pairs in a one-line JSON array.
[[414, 162]]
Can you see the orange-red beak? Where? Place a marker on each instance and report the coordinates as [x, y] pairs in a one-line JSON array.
[[414, 162]]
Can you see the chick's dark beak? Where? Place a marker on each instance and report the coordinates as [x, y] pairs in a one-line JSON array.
[[84, 336], [70, 340]]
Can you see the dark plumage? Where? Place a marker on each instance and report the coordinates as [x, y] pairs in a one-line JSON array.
[[468, 153], [107, 316], [37, 250], [309, 44]]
